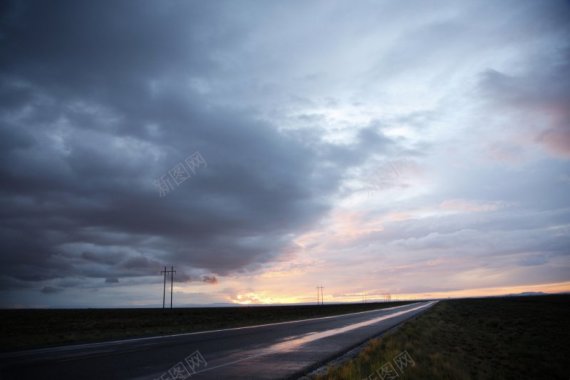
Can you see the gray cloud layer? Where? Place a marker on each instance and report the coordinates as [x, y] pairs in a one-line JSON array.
[[98, 99]]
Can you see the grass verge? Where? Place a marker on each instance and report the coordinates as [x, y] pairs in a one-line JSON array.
[[493, 338]]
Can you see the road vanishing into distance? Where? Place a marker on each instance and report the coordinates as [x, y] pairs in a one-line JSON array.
[[274, 351]]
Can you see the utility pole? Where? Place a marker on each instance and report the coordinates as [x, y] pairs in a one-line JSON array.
[[320, 296], [164, 287], [165, 272], [172, 271]]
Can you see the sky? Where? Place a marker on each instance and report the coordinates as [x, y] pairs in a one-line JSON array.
[[411, 148]]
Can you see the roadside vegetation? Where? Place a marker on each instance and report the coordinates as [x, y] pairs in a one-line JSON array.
[[492, 338], [26, 329]]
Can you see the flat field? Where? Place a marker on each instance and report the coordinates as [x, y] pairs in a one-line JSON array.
[[489, 338]]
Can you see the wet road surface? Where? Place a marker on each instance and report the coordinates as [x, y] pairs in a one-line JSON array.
[[276, 351]]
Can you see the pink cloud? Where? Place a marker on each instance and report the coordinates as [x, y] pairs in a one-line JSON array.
[[540, 100], [556, 140]]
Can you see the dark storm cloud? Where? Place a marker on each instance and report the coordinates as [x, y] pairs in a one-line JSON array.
[[98, 99]]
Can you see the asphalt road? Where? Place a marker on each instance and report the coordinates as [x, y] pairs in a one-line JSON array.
[[275, 351]]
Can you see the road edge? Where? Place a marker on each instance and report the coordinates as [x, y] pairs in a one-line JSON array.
[[349, 354]]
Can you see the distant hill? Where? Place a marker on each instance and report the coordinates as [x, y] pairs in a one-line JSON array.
[[524, 294]]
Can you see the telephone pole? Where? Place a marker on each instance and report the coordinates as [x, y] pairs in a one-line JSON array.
[[320, 296], [163, 287], [165, 272], [172, 271]]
